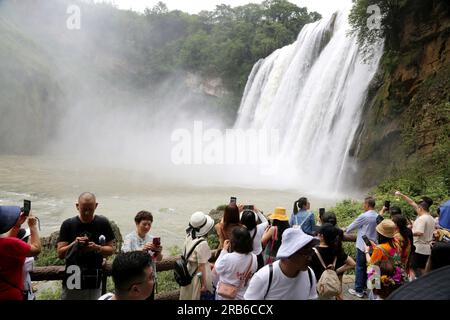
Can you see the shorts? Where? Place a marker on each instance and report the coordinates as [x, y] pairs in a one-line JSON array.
[[419, 261]]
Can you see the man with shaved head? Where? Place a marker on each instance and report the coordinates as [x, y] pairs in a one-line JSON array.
[[84, 241]]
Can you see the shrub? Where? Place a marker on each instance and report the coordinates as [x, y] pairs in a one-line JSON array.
[[48, 257]]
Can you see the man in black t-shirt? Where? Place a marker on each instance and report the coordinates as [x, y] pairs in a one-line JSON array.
[[83, 242]]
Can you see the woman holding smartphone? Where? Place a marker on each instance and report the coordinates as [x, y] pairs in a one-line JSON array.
[[141, 240], [387, 251]]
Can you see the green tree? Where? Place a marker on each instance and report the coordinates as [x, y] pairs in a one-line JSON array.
[[368, 34]]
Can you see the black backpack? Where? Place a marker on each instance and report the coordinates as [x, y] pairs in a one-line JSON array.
[[181, 273]]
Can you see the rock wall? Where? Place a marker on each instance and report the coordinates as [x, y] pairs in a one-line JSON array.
[[407, 111], [210, 86]]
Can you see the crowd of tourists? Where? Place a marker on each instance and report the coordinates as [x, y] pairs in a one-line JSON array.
[[259, 256]]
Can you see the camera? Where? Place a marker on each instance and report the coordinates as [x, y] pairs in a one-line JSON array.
[[387, 204]]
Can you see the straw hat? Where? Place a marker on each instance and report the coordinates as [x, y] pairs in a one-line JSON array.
[[279, 214], [387, 228]]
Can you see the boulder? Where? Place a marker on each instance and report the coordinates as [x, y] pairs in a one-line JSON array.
[[217, 215]]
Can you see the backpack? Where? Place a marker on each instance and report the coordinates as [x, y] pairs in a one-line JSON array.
[[268, 254], [329, 284], [181, 273]]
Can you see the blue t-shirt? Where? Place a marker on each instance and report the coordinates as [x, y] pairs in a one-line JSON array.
[[305, 219], [366, 224]]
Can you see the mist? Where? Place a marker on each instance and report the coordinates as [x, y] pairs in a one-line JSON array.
[[108, 110], [89, 93]]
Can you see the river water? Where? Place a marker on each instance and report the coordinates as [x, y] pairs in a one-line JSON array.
[[53, 185]]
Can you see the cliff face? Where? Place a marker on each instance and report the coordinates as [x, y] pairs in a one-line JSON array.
[[30, 96], [210, 86], [406, 117]]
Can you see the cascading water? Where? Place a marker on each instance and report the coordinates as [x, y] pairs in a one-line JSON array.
[[312, 92]]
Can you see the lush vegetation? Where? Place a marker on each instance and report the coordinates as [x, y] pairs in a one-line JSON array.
[[225, 42], [372, 20], [119, 56], [415, 186], [48, 257], [53, 293], [406, 142]]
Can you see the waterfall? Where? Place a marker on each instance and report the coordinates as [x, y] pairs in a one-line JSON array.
[[312, 92]]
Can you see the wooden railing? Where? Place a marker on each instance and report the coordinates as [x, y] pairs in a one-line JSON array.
[[56, 273]]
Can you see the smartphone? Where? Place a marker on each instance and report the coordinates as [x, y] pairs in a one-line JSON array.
[[157, 241], [366, 240], [249, 207], [233, 200], [321, 212], [387, 204], [26, 207]]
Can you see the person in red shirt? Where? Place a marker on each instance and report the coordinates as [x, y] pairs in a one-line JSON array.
[[13, 251]]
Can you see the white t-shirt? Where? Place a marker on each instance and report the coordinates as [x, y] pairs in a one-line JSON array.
[[282, 287], [201, 254], [425, 224], [231, 268], [260, 228], [107, 296]]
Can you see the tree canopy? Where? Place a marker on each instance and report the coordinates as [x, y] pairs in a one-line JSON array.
[[225, 42]]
